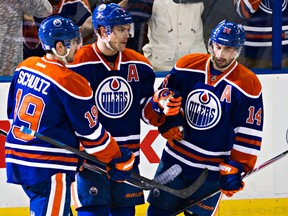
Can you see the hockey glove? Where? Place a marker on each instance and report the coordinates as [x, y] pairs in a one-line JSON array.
[[230, 177], [172, 128], [167, 101], [121, 168]]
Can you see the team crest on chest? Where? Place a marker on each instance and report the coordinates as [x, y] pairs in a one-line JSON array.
[[202, 109], [114, 97]]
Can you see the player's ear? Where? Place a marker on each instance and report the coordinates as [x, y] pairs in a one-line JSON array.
[[59, 46], [102, 31]]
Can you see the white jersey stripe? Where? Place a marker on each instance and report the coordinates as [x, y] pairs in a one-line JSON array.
[[189, 163], [246, 150], [41, 164], [38, 148], [203, 151], [248, 131]]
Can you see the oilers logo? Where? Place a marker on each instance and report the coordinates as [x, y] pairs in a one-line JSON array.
[[113, 97], [202, 109]]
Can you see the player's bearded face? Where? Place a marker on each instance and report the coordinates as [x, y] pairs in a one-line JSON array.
[[119, 37], [223, 55]]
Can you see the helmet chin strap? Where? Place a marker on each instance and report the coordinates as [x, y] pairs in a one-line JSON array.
[[106, 42], [63, 58]]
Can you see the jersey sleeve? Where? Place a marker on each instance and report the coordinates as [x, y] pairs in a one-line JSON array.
[[248, 126], [83, 115]]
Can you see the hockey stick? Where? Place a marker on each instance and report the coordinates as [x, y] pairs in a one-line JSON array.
[[182, 193], [256, 169]]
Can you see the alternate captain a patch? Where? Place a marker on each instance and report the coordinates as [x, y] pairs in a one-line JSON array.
[[114, 97], [202, 110]]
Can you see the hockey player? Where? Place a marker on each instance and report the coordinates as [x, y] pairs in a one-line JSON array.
[[223, 108], [49, 98], [122, 81]]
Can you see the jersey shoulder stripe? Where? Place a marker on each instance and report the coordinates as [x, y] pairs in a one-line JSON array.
[[67, 80]]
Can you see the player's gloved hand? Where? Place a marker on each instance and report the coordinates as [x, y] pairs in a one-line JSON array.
[[173, 127], [121, 168], [167, 101], [230, 177]]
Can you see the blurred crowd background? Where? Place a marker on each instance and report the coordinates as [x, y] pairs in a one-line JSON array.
[[165, 30]]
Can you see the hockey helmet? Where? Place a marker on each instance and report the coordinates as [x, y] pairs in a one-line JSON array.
[[109, 15], [228, 34], [57, 28]]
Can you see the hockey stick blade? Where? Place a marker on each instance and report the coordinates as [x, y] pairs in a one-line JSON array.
[[182, 193], [256, 169]]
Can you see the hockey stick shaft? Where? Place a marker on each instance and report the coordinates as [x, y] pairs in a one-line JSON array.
[[256, 169], [265, 164], [182, 193]]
